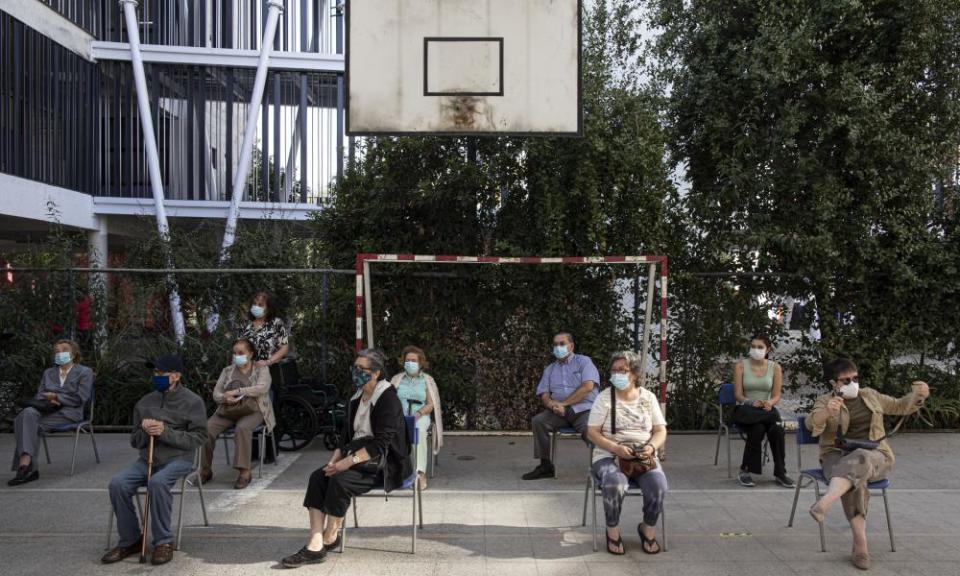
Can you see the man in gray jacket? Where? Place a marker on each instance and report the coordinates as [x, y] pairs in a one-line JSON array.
[[177, 420]]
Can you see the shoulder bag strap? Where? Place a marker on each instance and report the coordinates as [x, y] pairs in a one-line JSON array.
[[613, 411]]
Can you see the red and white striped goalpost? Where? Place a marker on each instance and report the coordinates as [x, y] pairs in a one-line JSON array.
[[364, 312]]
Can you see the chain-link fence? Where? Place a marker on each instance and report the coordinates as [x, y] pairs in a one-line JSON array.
[[486, 331]]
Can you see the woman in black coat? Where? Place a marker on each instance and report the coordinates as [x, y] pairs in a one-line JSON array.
[[374, 448]]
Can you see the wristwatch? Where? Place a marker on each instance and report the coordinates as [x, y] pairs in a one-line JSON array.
[[355, 459]]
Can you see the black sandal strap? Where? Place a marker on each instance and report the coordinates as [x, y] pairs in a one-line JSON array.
[[644, 541], [618, 542]]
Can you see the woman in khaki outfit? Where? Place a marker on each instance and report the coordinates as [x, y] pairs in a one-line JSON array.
[[857, 413], [243, 402]]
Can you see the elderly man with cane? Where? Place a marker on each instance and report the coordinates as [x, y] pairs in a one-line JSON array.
[[169, 424]]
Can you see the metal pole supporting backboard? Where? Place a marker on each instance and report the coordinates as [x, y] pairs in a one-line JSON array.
[[648, 316]]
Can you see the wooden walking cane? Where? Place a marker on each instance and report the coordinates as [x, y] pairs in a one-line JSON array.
[[146, 505]]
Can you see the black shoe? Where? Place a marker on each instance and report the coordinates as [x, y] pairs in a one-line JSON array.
[[746, 480], [785, 481], [541, 471], [23, 476], [335, 545], [304, 557]]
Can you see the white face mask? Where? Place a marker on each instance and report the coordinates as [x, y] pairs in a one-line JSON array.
[[758, 353], [849, 391], [411, 368]]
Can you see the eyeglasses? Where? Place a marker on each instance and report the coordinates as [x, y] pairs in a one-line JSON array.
[[621, 371], [362, 369]]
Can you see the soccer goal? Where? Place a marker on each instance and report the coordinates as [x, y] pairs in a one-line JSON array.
[[364, 304]]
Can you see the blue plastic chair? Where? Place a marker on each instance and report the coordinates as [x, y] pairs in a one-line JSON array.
[[260, 433], [410, 483], [74, 429], [725, 399], [632, 490], [816, 475]]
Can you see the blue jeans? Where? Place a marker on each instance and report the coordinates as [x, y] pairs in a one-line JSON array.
[[123, 488], [614, 484]]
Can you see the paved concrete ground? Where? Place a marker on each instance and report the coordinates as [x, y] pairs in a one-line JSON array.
[[482, 519]]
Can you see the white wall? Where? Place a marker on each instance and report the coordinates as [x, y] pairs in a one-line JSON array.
[[48, 22], [22, 198]]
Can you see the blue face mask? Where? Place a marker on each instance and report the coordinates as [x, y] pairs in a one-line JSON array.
[[240, 359], [62, 358], [411, 368], [161, 382], [620, 381], [559, 352], [257, 311], [360, 378]]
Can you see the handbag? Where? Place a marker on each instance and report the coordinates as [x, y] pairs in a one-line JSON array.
[[747, 415], [848, 445], [247, 404], [41, 405], [371, 466], [638, 465]]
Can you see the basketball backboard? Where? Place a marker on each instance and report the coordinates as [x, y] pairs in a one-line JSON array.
[[463, 67]]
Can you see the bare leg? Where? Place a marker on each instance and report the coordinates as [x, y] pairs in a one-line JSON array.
[[245, 472], [838, 487], [24, 459], [333, 527], [316, 530], [859, 526]]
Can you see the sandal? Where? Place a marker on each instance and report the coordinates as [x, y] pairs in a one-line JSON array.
[[644, 541], [618, 543]]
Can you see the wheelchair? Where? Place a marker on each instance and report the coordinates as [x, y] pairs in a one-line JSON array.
[[305, 408]]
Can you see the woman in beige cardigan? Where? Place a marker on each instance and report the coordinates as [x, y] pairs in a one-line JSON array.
[[420, 398], [243, 402]]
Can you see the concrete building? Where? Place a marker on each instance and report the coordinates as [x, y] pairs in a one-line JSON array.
[[72, 144]]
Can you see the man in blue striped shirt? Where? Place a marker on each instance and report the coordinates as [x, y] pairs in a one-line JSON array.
[[567, 390]]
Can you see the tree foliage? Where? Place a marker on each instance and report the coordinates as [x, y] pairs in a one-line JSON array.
[[820, 139], [488, 330]]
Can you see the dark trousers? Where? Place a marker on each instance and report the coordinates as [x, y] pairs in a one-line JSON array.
[[753, 451], [547, 421], [331, 494]]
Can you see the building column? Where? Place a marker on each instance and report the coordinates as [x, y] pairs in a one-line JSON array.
[[98, 256]]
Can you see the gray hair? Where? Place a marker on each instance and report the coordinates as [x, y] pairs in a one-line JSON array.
[[634, 363], [378, 361]]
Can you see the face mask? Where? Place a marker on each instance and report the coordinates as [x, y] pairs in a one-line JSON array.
[[360, 378], [849, 391], [161, 382], [62, 358], [411, 368], [758, 353], [559, 352], [257, 311], [620, 381], [240, 359]]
